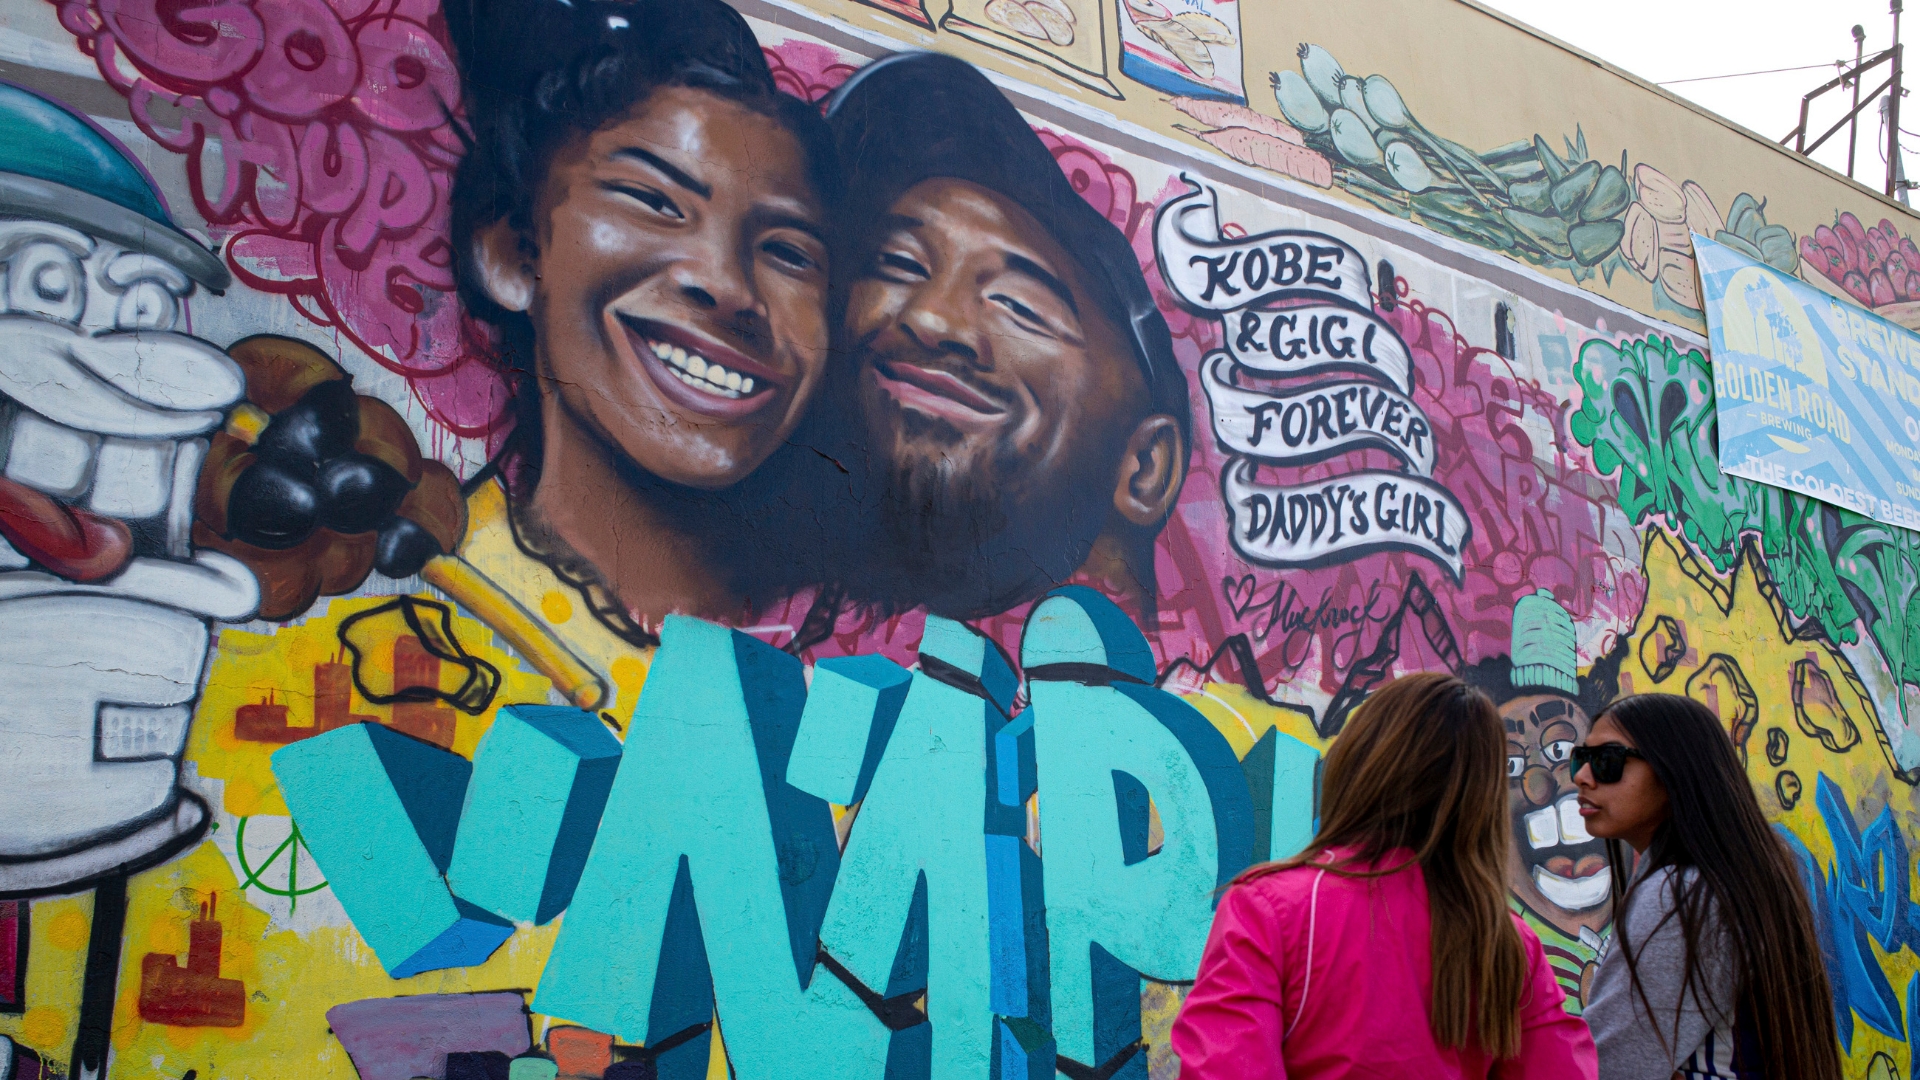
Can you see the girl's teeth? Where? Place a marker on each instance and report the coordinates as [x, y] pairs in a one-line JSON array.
[[706, 387], [696, 371]]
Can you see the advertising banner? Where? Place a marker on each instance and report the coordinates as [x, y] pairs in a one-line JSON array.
[[1815, 394]]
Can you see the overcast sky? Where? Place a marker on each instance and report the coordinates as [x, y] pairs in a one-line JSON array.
[[1665, 40]]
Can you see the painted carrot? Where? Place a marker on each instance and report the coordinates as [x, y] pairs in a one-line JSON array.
[[1263, 150], [1220, 114]]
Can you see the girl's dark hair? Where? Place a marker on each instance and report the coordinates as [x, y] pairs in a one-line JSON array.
[[1744, 873], [538, 74]]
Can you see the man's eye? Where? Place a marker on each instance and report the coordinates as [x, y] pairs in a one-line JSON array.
[[789, 254], [1558, 750], [897, 263], [651, 199], [1516, 764], [1019, 309]]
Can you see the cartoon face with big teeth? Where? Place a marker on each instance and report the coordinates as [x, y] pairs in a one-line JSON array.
[[102, 388], [1561, 872], [105, 606]]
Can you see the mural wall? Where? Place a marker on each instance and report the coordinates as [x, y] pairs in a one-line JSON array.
[[650, 538]]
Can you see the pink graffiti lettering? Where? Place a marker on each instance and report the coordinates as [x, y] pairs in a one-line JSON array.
[[320, 147]]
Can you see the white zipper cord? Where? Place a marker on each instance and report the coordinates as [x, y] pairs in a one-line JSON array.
[[1313, 917]]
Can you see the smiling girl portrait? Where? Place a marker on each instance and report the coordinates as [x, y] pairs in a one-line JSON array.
[[644, 220]]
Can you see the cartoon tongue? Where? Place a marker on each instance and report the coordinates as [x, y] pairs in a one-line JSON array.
[[72, 543]]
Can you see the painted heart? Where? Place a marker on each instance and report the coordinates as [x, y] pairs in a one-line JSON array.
[[1239, 593]]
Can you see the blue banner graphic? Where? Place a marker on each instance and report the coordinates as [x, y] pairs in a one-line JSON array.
[[1815, 394]]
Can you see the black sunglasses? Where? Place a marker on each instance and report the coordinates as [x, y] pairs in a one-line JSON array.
[[1608, 760]]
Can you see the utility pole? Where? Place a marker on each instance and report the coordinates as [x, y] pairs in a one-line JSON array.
[[1896, 179], [1853, 125], [1893, 56]]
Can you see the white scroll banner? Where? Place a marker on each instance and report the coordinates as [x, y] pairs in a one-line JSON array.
[[1318, 337], [1213, 273], [1341, 519], [1296, 427]]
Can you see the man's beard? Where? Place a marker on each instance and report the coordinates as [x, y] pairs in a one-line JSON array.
[[967, 537]]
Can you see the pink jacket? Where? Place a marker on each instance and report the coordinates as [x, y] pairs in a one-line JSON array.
[[1337, 987]]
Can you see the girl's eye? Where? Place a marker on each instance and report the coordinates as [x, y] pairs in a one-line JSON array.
[[901, 264], [789, 254], [1558, 750], [652, 200], [1516, 764]]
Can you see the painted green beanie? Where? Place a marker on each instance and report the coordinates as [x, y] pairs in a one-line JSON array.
[[1545, 651]]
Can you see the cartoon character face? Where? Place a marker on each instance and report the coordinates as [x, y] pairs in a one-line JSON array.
[[106, 395], [1560, 871], [103, 405]]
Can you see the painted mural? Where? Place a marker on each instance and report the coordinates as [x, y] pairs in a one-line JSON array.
[[652, 538]]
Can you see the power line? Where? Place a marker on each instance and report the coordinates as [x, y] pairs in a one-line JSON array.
[[1744, 74]]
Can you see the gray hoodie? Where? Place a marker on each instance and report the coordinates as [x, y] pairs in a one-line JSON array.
[[1699, 1037]]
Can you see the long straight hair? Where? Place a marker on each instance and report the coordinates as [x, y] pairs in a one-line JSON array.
[[1420, 767], [1743, 873]]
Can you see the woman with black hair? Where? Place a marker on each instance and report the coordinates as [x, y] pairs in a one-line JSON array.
[[1714, 966], [646, 221]]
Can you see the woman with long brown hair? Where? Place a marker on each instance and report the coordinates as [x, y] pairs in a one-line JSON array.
[[1714, 966], [1386, 948]]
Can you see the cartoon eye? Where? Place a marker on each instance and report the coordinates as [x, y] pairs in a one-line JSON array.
[[1558, 750], [47, 280], [1516, 764], [146, 305]]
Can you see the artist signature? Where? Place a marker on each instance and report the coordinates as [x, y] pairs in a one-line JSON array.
[[1263, 610]]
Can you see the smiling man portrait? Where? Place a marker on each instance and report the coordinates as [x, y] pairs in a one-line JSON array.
[[1015, 387]]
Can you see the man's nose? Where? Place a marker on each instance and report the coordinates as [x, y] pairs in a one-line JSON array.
[[940, 317]]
